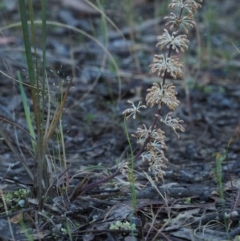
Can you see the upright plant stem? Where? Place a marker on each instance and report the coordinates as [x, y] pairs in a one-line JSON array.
[[41, 179]]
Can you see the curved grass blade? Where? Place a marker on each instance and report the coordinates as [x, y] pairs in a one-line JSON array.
[[27, 112]]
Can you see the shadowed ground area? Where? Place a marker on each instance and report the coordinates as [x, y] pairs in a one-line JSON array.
[[107, 50]]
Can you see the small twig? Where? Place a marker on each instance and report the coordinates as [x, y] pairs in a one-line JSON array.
[[97, 183], [17, 212]]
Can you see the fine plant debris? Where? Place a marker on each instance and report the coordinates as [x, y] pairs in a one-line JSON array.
[[119, 120]]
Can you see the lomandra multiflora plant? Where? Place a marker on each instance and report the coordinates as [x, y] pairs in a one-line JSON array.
[[152, 139]]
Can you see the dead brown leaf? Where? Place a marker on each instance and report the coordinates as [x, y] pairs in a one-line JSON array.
[[17, 218]]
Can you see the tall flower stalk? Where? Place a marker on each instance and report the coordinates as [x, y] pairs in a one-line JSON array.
[[152, 139]]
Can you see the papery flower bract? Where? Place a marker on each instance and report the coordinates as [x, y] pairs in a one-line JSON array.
[[189, 5], [159, 94], [123, 168], [156, 161], [157, 170], [174, 66], [158, 134], [158, 164], [154, 95], [153, 153], [177, 42], [134, 110], [165, 39], [192, 5], [174, 3], [156, 145], [163, 64], [159, 64], [156, 140], [147, 156], [180, 42], [142, 134], [169, 97], [174, 123], [185, 21]]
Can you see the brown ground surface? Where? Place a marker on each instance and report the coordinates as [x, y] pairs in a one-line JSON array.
[[187, 205]]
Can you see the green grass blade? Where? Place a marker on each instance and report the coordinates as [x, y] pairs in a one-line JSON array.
[[27, 42], [27, 111], [31, 15], [131, 168], [44, 29]]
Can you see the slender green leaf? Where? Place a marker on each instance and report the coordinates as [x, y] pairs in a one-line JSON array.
[[44, 29], [27, 42], [27, 111]]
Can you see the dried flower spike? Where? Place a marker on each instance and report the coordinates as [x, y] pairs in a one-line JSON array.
[[152, 139]]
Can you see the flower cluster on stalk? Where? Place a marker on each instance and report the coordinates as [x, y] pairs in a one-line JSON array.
[[152, 139]]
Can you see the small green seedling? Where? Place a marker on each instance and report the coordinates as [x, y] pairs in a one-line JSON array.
[[123, 226], [16, 199]]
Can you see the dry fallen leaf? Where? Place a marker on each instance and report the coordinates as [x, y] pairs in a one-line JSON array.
[[17, 218]]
